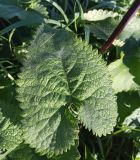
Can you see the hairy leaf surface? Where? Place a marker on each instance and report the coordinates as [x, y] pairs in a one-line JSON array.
[[24, 152], [97, 15], [10, 136], [71, 154], [8, 104], [62, 77]]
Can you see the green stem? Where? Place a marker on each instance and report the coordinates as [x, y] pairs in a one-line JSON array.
[[101, 147], [59, 9]]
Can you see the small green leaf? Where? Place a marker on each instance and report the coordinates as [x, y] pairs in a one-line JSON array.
[[133, 123], [137, 156], [24, 152], [103, 29], [132, 57], [125, 71], [98, 15], [39, 8], [123, 80], [10, 136]]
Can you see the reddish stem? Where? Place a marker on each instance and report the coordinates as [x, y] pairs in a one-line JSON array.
[[131, 12]]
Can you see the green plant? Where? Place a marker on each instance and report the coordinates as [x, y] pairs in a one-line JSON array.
[[60, 98]]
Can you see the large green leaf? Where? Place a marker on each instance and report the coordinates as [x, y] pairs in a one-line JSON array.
[[71, 154], [60, 75], [24, 152]]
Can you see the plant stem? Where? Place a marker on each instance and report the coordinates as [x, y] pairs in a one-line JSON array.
[[101, 148], [131, 12]]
